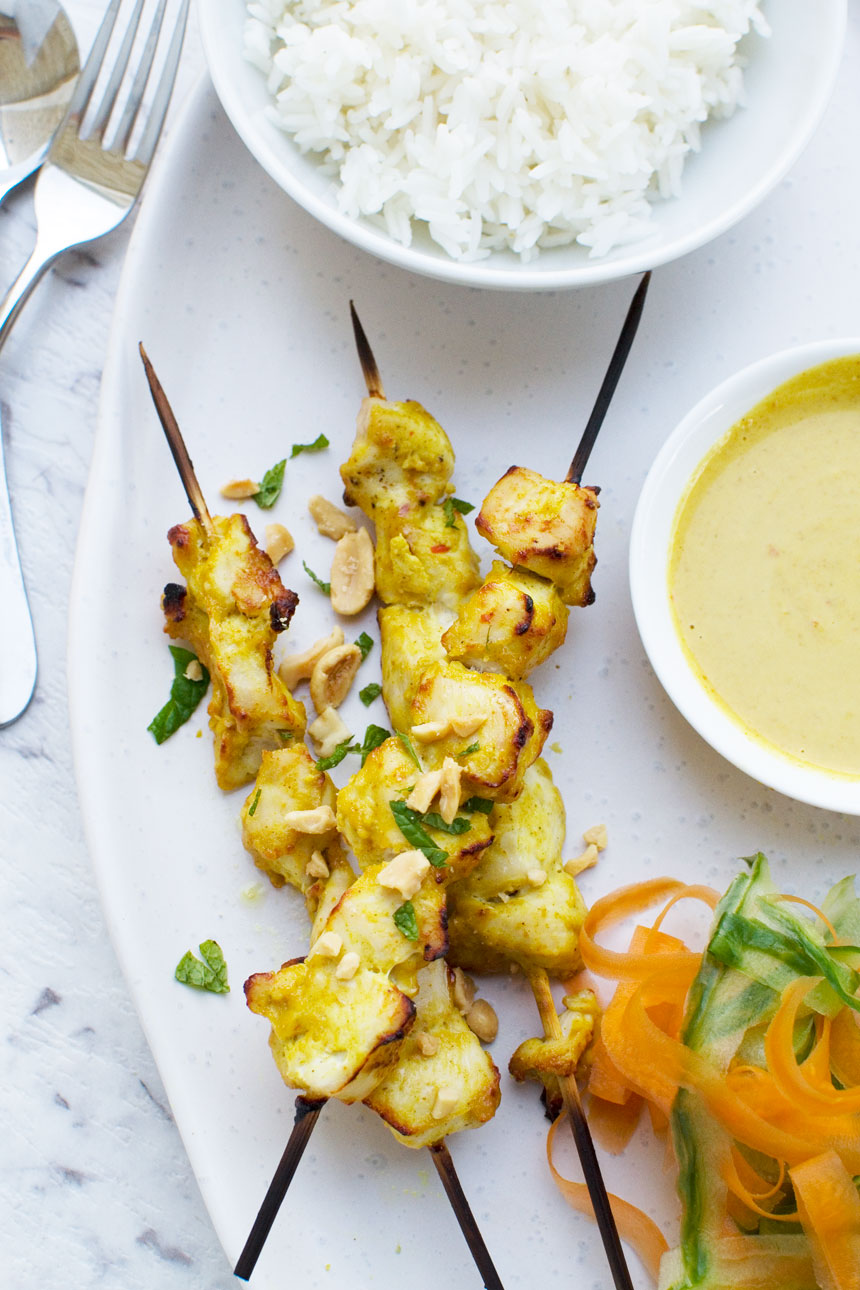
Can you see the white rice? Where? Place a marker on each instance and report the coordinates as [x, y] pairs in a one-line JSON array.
[[514, 124]]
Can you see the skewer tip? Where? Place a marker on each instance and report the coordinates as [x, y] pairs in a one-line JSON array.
[[372, 379], [176, 443]]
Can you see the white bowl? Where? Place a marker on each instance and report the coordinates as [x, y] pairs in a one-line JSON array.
[[650, 541], [788, 84]]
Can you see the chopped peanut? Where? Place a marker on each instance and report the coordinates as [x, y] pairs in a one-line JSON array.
[[537, 877], [428, 1045], [316, 867], [464, 991], [465, 726], [582, 862], [194, 672], [427, 732], [446, 1100], [426, 788], [352, 579], [333, 675], [279, 542], [449, 789], [482, 1021], [596, 836], [298, 667], [327, 732], [327, 946], [321, 819], [348, 966], [238, 489], [405, 873], [331, 521]]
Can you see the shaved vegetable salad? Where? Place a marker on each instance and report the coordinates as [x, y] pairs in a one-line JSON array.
[[749, 1054]]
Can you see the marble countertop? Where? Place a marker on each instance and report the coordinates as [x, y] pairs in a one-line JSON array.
[[95, 1186]]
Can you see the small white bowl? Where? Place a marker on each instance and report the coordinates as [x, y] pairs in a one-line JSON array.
[[788, 84], [650, 542]]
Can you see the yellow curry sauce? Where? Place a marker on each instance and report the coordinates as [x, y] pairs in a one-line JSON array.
[[764, 570]]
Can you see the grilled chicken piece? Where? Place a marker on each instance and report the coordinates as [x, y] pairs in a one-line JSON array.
[[511, 624], [335, 1035], [230, 612], [365, 819], [546, 526], [500, 716], [398, 473], [519, 905], [303, 850], [410, 641], [548, 1060], [430, 1094]]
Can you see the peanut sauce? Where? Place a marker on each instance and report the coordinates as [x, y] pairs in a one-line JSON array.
[[764, 569]]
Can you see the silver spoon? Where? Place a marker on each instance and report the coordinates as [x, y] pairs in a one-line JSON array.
[[39, 66]]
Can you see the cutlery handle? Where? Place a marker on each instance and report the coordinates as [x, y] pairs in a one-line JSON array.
[[17, 642], [20, 289]]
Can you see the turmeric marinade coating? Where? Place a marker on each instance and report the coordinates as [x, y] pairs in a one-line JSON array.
[[230, 611]]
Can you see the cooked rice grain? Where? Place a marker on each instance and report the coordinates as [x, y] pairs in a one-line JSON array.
[[519, 124]]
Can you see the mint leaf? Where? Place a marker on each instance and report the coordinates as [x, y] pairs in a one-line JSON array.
[[409, 824], [317, 446], [373, 737], [323, 586], [405, 920], [270, 488], [409, 748], [452, 504], [482, 804], [467, 752], [369, 693], [434, 820], [209, 974], [365, 644], [252, 808], [185, 695]]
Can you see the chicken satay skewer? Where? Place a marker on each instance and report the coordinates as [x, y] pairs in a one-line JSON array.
[[538, 977], [307, 1109]]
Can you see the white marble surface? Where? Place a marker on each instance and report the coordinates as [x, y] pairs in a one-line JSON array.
[[95, 1187]]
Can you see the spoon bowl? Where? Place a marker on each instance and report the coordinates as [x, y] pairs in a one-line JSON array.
[[39, 67]]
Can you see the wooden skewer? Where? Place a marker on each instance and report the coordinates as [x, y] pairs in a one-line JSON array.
[[307, 1114], [372, 379], [610, 381], [539, 982], [184, 465]]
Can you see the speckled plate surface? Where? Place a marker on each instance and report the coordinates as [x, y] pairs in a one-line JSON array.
[[242, 302]]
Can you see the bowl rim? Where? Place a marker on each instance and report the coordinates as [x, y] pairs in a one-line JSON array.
[[650, 540], [258, 136]]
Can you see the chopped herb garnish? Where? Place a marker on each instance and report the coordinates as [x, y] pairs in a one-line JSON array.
[[482, 804], [252, 808], [467, 752], [317, 446], [373, 737], [405, 920], [452, 504], [209, 972], [285, 736], [409, 824], [409, 748], [369, 693], [458, 825], [270, 489], [185, 694], [365, 644], [335, 758], [323, 586]]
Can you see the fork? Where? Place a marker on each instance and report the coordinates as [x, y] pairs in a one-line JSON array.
[[88, 184]]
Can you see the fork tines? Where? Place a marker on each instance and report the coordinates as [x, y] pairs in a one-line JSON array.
[[131, 83]]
